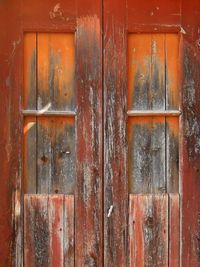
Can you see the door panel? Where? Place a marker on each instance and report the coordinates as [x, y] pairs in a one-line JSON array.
[[154, 224], [48, 230]]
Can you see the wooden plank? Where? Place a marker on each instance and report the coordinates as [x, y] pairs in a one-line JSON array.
[[56, 68], [56, 155], [172, 154], [45, 162], [166, 113], [190, 151], [157, 87], [48, 230], [173, 62], [146, 139], [30, 69], [88, 201], [68, 233], [43, 113], [174, 230], [30, 156], [63, 179], [148, 229], [36, 231], [56, 229], [139, 71], [115, 148]]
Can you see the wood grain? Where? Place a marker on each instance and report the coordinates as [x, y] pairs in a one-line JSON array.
[[30, 71], [146, 71], [146, 138], [148, 235], [48, 230], [36, 231], [55, 155], [88, 194], [172, 154], [173, 62], [30, 155], [56, 229], [56, 69], [115, 147], [68, 231], [174, 230]]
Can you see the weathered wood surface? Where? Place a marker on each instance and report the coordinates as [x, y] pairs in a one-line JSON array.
[[172, 142], [153, 16], [49, 155], [153, 71], [153, 84], [190, 159], [88, 194], [147, 155], [115, 149], [174, 230], [152, 222], [30, 71], [30, 155], [172, 71], [191, 155], [48, 230], [56, 67]]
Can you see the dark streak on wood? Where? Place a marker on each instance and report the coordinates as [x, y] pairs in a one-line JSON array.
[[154, 230], [56, 155], [147, 155], [115, 147], [48, 230], [36, 231], [88, 195], [191, 155]]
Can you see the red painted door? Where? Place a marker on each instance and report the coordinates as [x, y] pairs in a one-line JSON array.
[[100, 133]]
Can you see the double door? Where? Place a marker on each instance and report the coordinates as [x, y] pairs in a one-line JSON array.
[[101, 133]]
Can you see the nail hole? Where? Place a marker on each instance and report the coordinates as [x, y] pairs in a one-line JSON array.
[[56, 191], [44, 158]]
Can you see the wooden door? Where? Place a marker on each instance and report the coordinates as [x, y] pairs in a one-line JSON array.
[[51, 134], [151, 128], [100, 133]]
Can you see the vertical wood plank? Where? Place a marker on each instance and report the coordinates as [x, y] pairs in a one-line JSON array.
[[174, 230], [173, 62], [56, 229], [63, 179], [56, 68], [190, 159], [68, 231], [45, 152], [146, 138], [88, 196], [30, 156], [139, 71], [115, 147], [148, 227], [30, 69], [157, 88], [172, 154], [36, 231]]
